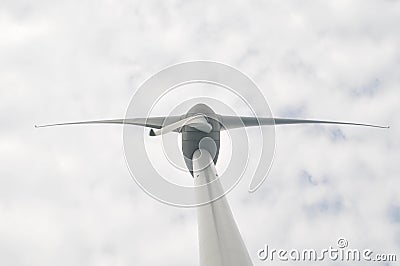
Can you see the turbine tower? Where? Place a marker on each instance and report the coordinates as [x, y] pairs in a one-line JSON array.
[[220, 242]]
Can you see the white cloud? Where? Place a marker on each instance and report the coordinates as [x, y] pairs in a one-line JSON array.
[[66, 197]]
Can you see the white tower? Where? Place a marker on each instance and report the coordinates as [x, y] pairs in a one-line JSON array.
[[220, 241]]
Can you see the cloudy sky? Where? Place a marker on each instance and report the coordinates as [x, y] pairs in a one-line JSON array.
[[66, 196]]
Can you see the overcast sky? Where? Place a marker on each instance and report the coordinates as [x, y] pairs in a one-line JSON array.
[[66, 196]]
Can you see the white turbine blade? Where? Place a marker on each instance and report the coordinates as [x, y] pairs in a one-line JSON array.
[[201, 124], [287, 121], [198, 122], [153, 122], [231, 122]]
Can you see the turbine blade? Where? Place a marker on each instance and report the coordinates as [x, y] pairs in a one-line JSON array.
[[231, 122], [288, 121], [152, 122]]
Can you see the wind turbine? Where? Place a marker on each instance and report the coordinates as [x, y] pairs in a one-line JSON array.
[[220, 242]]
